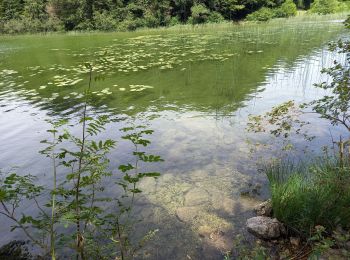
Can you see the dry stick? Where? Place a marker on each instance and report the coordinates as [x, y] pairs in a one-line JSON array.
[[79, 236]]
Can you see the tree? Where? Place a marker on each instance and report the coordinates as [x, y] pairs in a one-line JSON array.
[[35, 9], [335, 106], [11, 9], [70, 12], [229, 8], [200, 14], [181, 9]]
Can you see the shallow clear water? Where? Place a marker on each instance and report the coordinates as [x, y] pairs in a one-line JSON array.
[[195, 88]]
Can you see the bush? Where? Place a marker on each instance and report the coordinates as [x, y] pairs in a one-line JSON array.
[[215, 17], [174, 21], [200, 14], [131, 24], [25, 25], [53, 24], [347, 23], [104, 21], [84, 25], [287, 9], [151, 21], [303, 197], [324, 6], [262, 15]]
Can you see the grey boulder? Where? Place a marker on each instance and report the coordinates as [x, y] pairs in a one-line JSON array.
[[265, 227]]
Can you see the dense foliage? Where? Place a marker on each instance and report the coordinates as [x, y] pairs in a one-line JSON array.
[[56, 15]]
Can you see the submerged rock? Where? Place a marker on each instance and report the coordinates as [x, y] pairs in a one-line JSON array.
[[264, 209], [265, 227], [196, 197], [15, 250], [187, 214]]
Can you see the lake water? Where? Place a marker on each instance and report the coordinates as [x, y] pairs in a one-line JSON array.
[[194, 87]]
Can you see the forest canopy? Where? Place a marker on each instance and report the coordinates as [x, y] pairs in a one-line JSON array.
[[107, 15]]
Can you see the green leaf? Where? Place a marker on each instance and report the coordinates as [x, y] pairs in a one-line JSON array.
[[125, 168]]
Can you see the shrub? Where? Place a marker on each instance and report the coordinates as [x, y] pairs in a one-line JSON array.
[[151, 21], [13, 26], [343, 6], [53, 24], [190, 20], [324, 6], [215, 17], [130, 24], [262, 15], [347, 23], [287, 9], [84, 25], [306, 196], [26, 25], [200, 14], [104, 21], [174, 21]]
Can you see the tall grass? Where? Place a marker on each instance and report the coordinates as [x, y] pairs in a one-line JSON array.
[[304, 196]]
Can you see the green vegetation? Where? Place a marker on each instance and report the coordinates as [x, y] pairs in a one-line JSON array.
[[327, 6], [18, 16], [287, 9], [150, 71], [312, 199], [76, 215], [306, 196]]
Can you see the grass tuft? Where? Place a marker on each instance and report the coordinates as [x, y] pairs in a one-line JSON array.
[[305, 196]]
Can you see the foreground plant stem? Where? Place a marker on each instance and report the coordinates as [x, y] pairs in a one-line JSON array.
[[53, 209], [80, 238]]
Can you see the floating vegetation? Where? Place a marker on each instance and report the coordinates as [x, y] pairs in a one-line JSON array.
[[5, 73], [138, 88], [106, 91], [62, 81], [135, 59]]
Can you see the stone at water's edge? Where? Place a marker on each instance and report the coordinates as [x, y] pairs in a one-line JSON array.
[[264, 209], [265, 227]]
